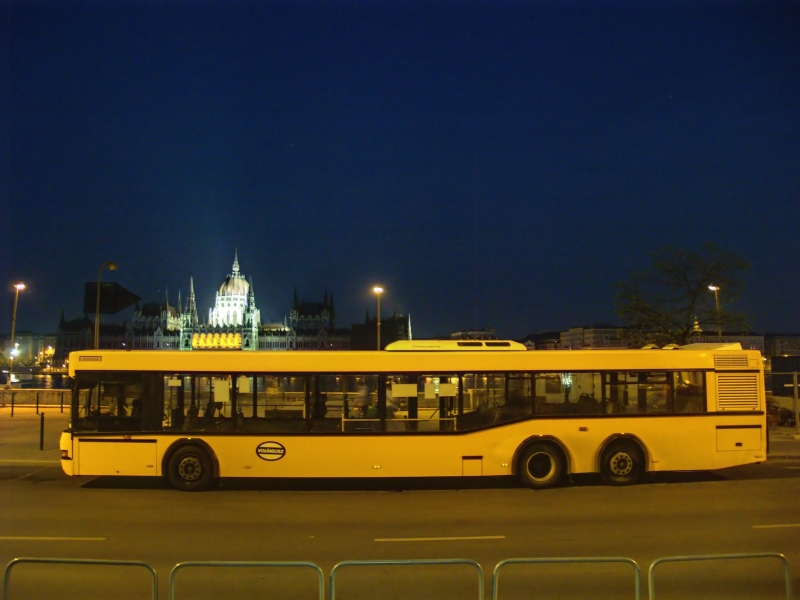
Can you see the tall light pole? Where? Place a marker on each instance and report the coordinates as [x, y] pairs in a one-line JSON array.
[[112, 266], [378, 291], [13, 352], [715, 289]]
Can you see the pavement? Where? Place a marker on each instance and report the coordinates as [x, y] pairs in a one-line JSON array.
[[784, 442], [20, 437]]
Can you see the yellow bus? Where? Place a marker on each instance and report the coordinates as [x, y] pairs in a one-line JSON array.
[[418, 409]]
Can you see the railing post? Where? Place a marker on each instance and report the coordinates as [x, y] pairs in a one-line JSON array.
[[37, 403], [62, 401], [12, 403], [41, 432], [795, 404]]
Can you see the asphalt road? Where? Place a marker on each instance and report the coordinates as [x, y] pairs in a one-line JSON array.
[[745, 509]]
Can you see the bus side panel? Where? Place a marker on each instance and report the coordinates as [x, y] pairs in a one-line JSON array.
[[115, 456], [671, 443], [340, 456]]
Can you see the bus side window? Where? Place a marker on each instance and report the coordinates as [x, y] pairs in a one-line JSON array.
[[690, 392], [152, 402], [327, 403], [484, 399]]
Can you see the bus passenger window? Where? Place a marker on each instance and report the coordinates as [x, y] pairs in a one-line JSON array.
[[327, 403], [283, 399], [552, 392], [690, 392], [484, 399], [360, 410], [402, 403]]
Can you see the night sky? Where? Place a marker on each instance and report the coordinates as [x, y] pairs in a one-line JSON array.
[[492, 164]]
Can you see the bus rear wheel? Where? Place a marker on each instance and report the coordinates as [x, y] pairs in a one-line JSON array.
[[541, 466], [622, 463], [190, 469]]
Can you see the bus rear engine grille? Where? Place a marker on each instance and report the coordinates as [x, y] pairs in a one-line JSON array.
[[737, 391]]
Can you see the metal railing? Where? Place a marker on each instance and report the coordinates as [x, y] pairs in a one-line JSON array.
[[782, 387], [79, 561], [651, 580], [432, 561], [411, 562], [16, 397], [248, 564], [637, 574]]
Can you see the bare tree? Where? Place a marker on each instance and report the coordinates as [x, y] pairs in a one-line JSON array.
[[671, 299]]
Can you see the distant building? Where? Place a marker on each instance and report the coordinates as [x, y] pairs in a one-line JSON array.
[[474, 334], [313, 325], [782, 344], [549, 340], [597, 336], [748, 342], [233, 322], [78, 334], [33, 348], [364, 336]]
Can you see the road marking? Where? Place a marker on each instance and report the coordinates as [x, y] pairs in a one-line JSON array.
[[776, 526], [31, 473], [30, 538], [443, 539]]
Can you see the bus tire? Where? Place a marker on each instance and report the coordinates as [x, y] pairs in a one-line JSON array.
[[541, 466], [622, 463], [190, 469]]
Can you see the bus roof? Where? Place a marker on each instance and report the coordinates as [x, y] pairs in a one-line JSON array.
[[454, 345], [423, 360]]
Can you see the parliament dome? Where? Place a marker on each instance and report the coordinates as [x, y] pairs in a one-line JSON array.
[[234, 284]]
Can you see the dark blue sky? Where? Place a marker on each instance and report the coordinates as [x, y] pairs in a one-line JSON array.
[[349, 143]]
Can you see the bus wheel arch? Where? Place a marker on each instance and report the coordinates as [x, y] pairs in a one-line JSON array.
[[622, 459], [541, 462], [190, 465]]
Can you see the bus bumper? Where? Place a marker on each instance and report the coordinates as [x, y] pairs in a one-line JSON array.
[[65, 445]]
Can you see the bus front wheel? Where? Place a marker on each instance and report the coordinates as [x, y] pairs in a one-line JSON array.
[[622, 463], [541, 466], [190, 469]]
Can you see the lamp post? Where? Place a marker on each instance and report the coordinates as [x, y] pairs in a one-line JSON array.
[[715, 289], [112, 266], [378, 291], [13, 352]]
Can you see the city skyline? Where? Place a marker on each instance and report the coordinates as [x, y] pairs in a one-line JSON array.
[[489, 164]]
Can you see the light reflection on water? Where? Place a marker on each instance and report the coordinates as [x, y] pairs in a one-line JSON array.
[[48, 381]]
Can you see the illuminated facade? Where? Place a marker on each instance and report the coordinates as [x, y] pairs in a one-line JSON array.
[[233, 323]]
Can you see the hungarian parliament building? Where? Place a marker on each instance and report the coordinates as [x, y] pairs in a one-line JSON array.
[[234, 322]]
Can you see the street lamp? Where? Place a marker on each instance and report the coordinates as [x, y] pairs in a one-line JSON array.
[[17, 288], [715, 289], [112, 266], [378, 291]]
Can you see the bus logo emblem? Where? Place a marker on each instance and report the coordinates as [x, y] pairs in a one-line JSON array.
[[270, 451]]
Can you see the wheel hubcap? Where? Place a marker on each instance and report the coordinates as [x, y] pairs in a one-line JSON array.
[[541, 466], [190, 468], [621, 464]]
